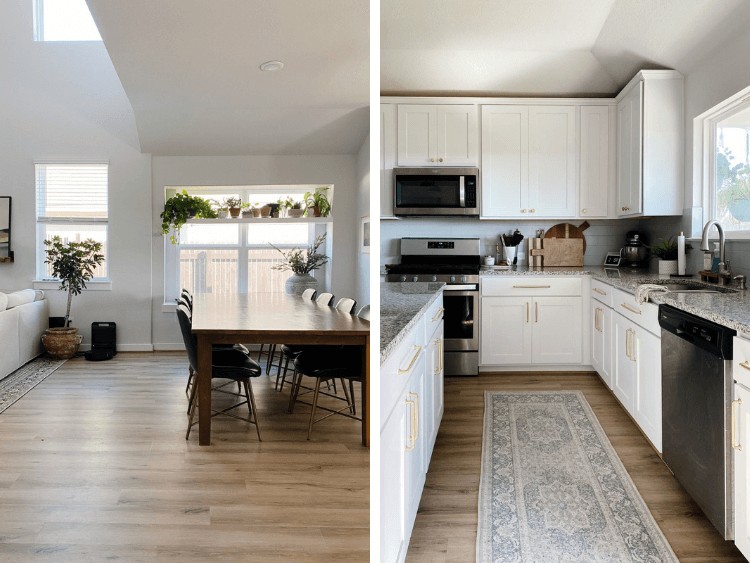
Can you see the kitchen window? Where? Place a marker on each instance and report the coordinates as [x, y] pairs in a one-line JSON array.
[[72, 203], [64, 20], [234, 256], [726, 162]]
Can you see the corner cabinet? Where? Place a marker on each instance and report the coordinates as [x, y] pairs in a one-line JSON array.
[[411, 408], [529, 164], [650, 145], [438, 135]]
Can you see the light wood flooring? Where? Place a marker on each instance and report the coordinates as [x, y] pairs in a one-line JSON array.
[[445, 529], [94, 466]]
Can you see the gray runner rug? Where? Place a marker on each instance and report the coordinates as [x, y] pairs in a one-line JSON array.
[[24, 379], [553, 489]]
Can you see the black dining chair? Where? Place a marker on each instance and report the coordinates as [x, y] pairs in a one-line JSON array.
[[326, 363], [230, 364], [307, 295]]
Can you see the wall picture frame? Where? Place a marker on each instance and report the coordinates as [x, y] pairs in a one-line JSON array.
[[364, 235], [6, 252]]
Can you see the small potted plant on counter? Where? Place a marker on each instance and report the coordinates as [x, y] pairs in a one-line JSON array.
[[181, 207], [666, 252]]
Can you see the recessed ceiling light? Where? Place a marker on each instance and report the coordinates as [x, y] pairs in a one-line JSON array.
[[272, 65]]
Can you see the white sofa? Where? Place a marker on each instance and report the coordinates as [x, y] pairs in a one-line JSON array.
[[24, 316]]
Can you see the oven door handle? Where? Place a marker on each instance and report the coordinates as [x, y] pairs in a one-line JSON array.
[[464, 289]]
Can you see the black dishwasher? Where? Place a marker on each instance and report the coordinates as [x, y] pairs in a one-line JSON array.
[[696, 367]]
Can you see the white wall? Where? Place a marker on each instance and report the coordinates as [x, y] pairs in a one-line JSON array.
[[363, 208], [339, 170], [64, 101]]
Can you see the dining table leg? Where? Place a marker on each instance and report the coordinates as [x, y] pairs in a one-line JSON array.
[[203, 380], [366, 392]]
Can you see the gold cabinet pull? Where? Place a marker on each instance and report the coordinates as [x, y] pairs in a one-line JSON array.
[[438, 315], [735, 443], [745, 365], [599, 291], [440, 354], [415, 416], [536, 312], [527, 312], [630, 308], [415, 355], [531, 286], [412, 440], [628, 339], [632, 346], [597, 319]]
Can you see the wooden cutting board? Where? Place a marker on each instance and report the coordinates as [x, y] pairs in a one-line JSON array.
[[560, 252], [566, 230]]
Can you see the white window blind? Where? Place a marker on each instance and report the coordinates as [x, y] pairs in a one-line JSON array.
[[71, 191]]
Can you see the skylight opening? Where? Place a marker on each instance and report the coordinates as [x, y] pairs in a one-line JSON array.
[[64, 20]]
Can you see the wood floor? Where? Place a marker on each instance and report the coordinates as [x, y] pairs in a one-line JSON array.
[[94, 466], [445, 529]]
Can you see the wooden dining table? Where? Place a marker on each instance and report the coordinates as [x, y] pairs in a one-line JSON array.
[[262, 318]]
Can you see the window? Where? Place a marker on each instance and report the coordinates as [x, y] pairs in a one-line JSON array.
[[64, 20], [726, 178], [71, 202], [231, 256]]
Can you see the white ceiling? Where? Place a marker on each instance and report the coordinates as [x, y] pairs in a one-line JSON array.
[[190, 71], [545, 47]]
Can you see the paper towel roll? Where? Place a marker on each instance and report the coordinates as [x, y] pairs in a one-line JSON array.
[[681, 254]]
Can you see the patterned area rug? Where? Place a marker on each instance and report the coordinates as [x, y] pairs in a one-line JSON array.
[[24, 379], [553, 489]]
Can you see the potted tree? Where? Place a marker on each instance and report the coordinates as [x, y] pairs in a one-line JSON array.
[[301, 263], [181, 207], [318, 202], [73, 263]]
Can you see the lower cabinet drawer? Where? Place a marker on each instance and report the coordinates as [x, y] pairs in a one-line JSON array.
[[530, 286], [645, 315]]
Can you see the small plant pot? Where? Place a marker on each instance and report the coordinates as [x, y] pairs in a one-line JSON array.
[[315, 210], [61, 343], [247, 213], [265, 211], [667, 267], [255, 211], [222, 214], [235, 212], [295, 212]]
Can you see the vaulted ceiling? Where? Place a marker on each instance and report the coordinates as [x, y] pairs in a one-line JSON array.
[[545, 47], [190, 69]]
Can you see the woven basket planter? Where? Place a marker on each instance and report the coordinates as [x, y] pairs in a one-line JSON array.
[[61, 343]]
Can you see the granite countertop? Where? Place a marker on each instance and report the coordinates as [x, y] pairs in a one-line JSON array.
[[401, 306], [728, 309]]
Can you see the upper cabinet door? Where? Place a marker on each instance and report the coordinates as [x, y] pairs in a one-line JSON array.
[[417, 135], [505, 160], [437, 135], [552, 161], [457, 136], [594, 188], [387, 158], [629, 153]]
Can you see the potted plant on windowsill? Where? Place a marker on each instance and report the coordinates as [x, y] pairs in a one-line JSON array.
[[181, 207], [666, 252], [73, 264], [317, 202], [235, 206], [295, 209], [301, 263]]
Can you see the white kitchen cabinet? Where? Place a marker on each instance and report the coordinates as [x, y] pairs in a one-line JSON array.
[[650, 145], [623, 344], [434, 375], [594, 162], [740, 445], [392, 484], [601, 341], [387, 158], [529, 161], [531, 330], [438, 135]]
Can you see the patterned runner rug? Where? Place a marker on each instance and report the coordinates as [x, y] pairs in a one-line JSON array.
[[553, 489], [24, 379]]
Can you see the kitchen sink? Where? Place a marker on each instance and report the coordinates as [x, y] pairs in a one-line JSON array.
[[695, 288]]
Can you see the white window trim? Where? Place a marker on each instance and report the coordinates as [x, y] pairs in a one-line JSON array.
[[38, 27], [704, 133]]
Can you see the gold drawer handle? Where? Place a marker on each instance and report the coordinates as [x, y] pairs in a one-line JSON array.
[[735, 444], [631, 309], [745, 365], [412, 438], [417, 350], [599, 291], [531, 286], [438, 315]]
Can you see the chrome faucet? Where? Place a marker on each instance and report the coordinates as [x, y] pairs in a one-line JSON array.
[[725, 273]]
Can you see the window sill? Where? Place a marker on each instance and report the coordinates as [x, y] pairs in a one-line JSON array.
[[168, 307], [103, 285]]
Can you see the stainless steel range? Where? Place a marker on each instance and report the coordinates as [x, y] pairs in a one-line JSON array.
[[454, 261]]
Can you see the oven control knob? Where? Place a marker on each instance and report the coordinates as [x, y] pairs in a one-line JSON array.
[[403, 278], [453, 279], [434, 278], [415, 278], [463, 279]]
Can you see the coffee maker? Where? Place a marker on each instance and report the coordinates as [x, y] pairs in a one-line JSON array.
[[635, 253]]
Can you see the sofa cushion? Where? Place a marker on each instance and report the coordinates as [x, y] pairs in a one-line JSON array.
[[3, 302], [21, 298]]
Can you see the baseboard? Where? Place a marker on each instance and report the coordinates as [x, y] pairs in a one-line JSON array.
[[537, 368], [169, 347], [124, 347]]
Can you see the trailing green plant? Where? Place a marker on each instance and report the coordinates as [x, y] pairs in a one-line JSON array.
[[179, 208], [319, 200], [302, 262], [667, 249], [73, 264]]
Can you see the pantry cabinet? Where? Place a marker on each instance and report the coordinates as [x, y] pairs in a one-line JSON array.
[[650, 145], [438, 135], [387, 158], [528, 161]]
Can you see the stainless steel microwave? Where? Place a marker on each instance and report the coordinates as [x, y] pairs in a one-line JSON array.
[[436, 191]]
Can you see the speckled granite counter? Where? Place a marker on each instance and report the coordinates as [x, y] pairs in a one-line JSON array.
[[401, 306], [728, 309]]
